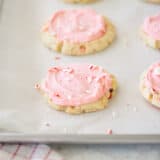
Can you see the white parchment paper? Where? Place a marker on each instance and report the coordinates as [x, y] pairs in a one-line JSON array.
[[24, 61]]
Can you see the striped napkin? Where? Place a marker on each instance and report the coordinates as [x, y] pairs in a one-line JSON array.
[[27, 152]]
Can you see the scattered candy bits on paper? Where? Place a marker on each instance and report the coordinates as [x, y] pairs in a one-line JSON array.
[[57, 58], [109, 131]]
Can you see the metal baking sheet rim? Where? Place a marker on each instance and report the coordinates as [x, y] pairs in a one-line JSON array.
[[79, 139]]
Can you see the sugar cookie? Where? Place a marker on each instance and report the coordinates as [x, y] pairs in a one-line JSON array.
[[150, 84], [150, 31]]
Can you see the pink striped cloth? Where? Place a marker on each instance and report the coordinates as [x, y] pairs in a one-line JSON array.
[[27, 152]]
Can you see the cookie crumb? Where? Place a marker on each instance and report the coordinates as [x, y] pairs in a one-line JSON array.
[[113, 115], [109, 131], [57, 94], [57, 58], [69, 70], [93, 67], [47, 124], [54, 69], [89, 79], [135, 109], [37, 86], [125, 41]]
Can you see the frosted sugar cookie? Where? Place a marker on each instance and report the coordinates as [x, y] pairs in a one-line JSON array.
[[78, 88], [77, 32], [150, 84], [150, 31]]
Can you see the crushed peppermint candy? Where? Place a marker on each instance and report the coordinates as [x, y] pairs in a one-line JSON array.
[[89, 79], [37, 86], [69, 70], [57, 58], [103, 76], [57, 94], [93, 67], [54, 69], [109, 131]]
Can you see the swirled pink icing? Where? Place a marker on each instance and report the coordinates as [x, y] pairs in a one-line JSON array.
[[151, 26], [152, 78], [77, 25], [76, 84]]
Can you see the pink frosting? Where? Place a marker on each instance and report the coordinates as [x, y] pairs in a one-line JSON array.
[[152, 79], [152, 26], [76, 84], [77, 25]]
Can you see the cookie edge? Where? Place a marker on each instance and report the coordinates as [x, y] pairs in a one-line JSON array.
[[149, 41], [147, 93]]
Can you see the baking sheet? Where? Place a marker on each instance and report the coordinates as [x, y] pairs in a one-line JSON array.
[[80, 139], [24, 62]]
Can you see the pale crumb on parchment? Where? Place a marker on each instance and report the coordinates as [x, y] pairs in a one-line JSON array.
[[114, 115], [47, 124], [57, 58], [135, 109], [127, 107], [125, 41]]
